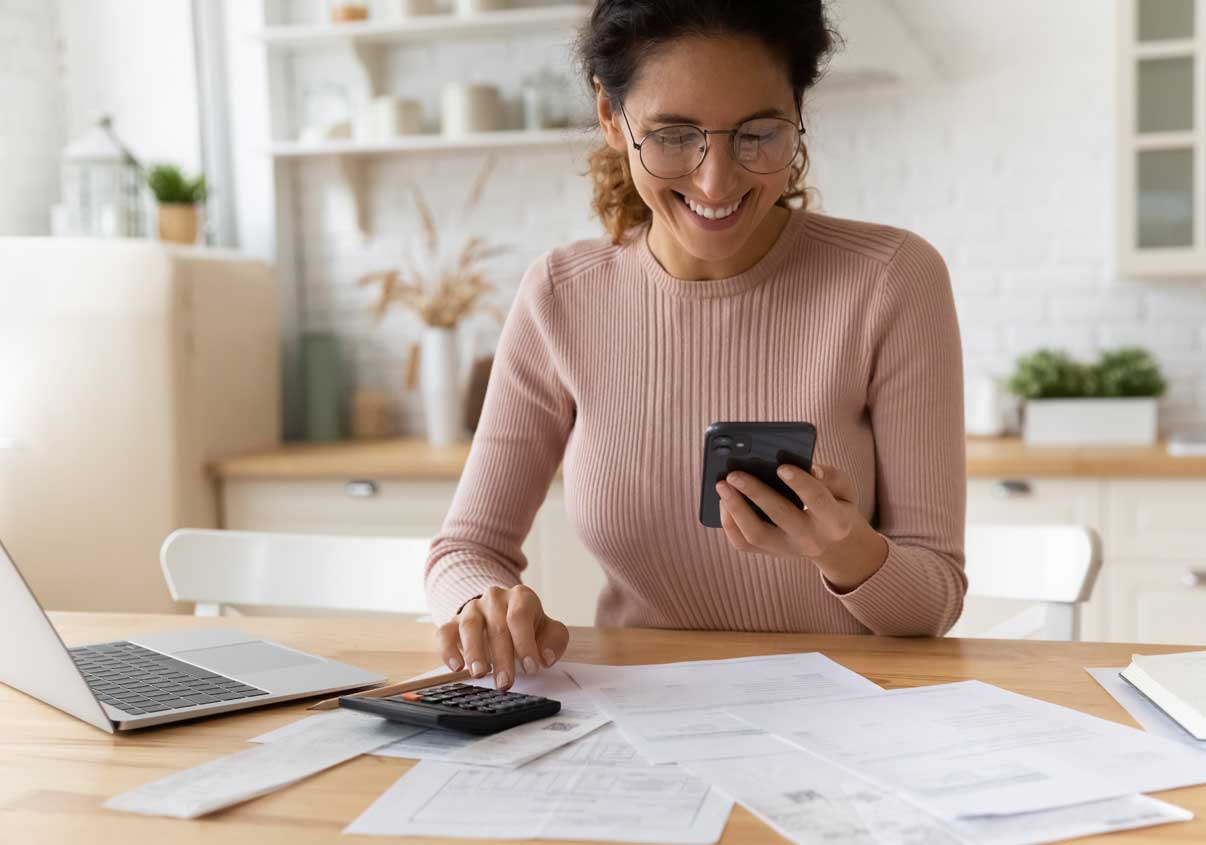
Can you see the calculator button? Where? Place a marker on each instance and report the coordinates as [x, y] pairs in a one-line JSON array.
[[411, 696]]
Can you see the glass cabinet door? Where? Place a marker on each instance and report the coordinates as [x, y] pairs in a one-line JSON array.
[[1164, 206], [1164, 20], [1161, 132], [1164, 92]]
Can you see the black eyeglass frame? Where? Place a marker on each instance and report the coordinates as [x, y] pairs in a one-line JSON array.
[[732, 133]]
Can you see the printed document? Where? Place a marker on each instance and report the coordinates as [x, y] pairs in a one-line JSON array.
[[812, 802], [677, 711], [597, 789], [257, 771], [972, 749], [509, 748]]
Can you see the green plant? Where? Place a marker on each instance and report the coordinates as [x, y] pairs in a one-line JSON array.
[[1053, 374], [169, 185], [1129, 371], [1050, 374]]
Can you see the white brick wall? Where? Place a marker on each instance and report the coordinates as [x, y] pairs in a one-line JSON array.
[[1007, 168], [30, 116]]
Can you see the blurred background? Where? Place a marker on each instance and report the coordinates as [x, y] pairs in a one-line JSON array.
[[256, 254]]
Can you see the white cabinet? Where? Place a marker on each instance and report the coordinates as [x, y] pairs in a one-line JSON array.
[[560, 569], [1154, 601], [1161, 149], [1034, 501], [1152, 586]]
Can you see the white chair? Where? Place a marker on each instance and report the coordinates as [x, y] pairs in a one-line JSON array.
[[217, 569], [1054, 566]]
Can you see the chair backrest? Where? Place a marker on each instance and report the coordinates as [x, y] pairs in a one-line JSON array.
[[1055, 565], [328, 572]]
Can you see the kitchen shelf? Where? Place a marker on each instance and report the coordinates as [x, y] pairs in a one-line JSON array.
[[514, 138], [421, 27]]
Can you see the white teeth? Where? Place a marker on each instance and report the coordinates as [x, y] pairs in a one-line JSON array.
[[709, 213]]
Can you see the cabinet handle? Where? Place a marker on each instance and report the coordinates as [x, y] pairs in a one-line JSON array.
[[360, 489], [1193, 578], [1011, 489]]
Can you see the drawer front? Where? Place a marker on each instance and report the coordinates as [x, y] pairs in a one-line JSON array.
[[1163, 520], [1153, 601], [1034, 501], [361, 506]]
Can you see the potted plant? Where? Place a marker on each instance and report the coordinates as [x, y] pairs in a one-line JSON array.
[[178, 198], [1111, 402], [442, 282]]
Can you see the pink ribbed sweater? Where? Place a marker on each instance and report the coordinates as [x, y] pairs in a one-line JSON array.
[[614, 368]]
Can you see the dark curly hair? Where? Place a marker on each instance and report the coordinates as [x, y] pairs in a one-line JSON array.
[[622, 33]]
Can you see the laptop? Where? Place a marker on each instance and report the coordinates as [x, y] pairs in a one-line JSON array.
[[158, 678]]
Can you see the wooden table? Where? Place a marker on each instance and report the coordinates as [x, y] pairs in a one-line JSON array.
[[55, 771]]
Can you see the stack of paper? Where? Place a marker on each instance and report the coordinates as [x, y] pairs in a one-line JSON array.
[[818, 752], [597, 789], [680, 711]]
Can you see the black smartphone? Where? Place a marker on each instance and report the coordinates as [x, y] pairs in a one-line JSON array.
[[756, 448]]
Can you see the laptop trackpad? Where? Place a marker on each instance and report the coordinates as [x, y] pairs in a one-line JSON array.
[[245, 658]]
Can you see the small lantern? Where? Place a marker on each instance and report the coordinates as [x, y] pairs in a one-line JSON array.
[[103, 190]]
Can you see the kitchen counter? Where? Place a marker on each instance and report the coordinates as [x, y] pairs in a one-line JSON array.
[[412, 459]]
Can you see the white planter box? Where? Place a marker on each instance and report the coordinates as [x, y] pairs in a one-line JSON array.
[[1072, 422]]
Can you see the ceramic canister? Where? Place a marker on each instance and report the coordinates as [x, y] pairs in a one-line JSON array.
[[470, 108]]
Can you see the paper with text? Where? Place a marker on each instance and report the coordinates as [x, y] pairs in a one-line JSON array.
[[599, 788], [970, 749], [676, 712], [325, 741]]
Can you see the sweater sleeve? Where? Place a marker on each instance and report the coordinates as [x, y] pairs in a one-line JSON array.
[[915, 402], [526, 418]]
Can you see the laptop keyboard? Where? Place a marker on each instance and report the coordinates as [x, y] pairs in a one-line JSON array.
[[137, 680]]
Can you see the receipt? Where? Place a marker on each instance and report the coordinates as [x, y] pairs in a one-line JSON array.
[[325, 741]]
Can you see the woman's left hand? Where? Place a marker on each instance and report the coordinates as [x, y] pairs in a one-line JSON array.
[[829, 529]]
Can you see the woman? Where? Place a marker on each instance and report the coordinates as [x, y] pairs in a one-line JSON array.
[[713, 299]]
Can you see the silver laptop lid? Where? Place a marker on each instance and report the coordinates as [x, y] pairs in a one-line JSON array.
[[39, 664]]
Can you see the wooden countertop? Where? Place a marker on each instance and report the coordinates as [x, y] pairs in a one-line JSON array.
[[56, 771], [413, 460]]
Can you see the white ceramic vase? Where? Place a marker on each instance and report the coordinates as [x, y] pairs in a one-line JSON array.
[[440, 383]]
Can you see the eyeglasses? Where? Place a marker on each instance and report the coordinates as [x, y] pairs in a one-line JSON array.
[[762, 145]]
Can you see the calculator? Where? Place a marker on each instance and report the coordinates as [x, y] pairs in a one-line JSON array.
[[461, 707]]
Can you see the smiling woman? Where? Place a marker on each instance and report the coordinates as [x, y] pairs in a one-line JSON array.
[[716, 295]]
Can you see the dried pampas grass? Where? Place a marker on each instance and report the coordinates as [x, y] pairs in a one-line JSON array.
[[443, 287]]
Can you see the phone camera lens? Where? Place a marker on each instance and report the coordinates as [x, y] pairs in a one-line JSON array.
[[722, 440], [722, 450]]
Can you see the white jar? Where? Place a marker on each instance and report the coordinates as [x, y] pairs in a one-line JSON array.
[[470, 108], [475, 7], [400, 9]]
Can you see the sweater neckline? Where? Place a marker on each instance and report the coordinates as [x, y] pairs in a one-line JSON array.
[[762, 269]]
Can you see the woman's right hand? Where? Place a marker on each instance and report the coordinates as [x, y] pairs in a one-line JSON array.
[[499, 628]]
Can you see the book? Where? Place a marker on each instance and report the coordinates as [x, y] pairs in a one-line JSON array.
[[1176, 683]]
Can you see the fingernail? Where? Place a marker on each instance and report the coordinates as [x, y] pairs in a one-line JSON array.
[[787, 472], [736, 480], [549, 656], [455, 664], [529, 665], [817, 471], [479, 669], [722, 489], [502, 680]]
